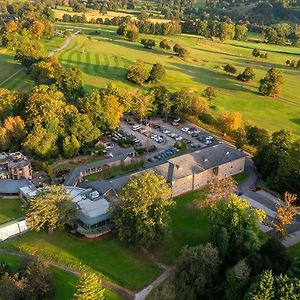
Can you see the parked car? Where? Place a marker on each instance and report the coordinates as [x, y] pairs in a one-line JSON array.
[[194, 134], [136, 127], [151, 159], [184, 129], [179, 138], [175, 149], [255, 188], [109, 146], [177, 120], [238, 193], [175, 124]]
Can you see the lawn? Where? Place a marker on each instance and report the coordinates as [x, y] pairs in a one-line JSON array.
[[10, 209], [294, 250], [105, 57], [189, 226], [64, 283], [108, 256], [240, 177]]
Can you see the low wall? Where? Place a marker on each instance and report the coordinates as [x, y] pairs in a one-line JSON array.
[[12, 228]]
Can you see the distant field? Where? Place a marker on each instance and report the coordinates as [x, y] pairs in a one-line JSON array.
[[95, 14], [105, 57]]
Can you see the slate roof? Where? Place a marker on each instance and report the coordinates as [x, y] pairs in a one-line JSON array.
[[10, 186]]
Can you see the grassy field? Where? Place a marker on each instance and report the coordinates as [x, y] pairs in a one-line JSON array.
[[103, 56], [189, 226], [110, 14], [13, 76], [10, 209], [64, 283], [108, 256]]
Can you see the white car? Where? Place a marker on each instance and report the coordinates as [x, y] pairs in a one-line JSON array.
[[108, 155], [109, 146], [185, 129], [136, 127], [179, 138]]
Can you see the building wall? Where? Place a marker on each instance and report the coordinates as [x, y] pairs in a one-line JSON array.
[[232, 168], [198, 180]]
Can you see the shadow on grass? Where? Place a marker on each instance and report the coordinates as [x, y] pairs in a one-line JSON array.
[[211, 78]]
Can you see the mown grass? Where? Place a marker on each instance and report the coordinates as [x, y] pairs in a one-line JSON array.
[[10, 209], [240, 177], [105, 57], [64, 283], [189, 226], [119, 263]]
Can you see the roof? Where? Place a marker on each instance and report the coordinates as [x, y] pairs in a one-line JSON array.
[[92, 207], [183, 166], [10, 186], [198, 161], [76, 172]]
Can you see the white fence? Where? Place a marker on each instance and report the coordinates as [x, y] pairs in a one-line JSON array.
[[12, 228]]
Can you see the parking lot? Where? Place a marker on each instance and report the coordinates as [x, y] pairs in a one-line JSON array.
[[159, 137]]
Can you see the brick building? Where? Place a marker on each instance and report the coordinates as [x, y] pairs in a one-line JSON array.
[[14, 166]]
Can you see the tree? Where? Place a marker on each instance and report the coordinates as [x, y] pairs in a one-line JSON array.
[[132, 34], [200, 106], [268, 286], [180, 51], [164, 44], [256, 52], [241, 32], [229, 122], [9, 103], [39, 280], [270, 85], [148, 43], [157, 73], [71, 146], [141, 217], [227, 31], [37, 28], [83, 129], [234, 228], [30, 52], [255, 136], [70, 83], [230, 69], [210, 93], [247, 75], [52, 207], [138, 72], [285, 214], [89, 288], [195, 272], [182, 102]]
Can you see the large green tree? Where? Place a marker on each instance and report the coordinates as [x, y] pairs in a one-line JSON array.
[[51, 207], [141, 217], [196, 271], [234, 228], [270, 84]]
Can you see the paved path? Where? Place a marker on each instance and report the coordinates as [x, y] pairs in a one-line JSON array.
[[142, 295], [127, 294], [65, 44]]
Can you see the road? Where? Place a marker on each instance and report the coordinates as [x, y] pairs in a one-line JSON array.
[[264, 198]]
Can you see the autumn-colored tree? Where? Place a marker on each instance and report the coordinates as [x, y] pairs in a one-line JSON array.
[[229, 121], [9, 103], [143, 105], [199, 106], [51, 207], [210, 93], [37, 28], [11, 26], [138, 73], [89, 288], [285, 213], [164, 44]]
